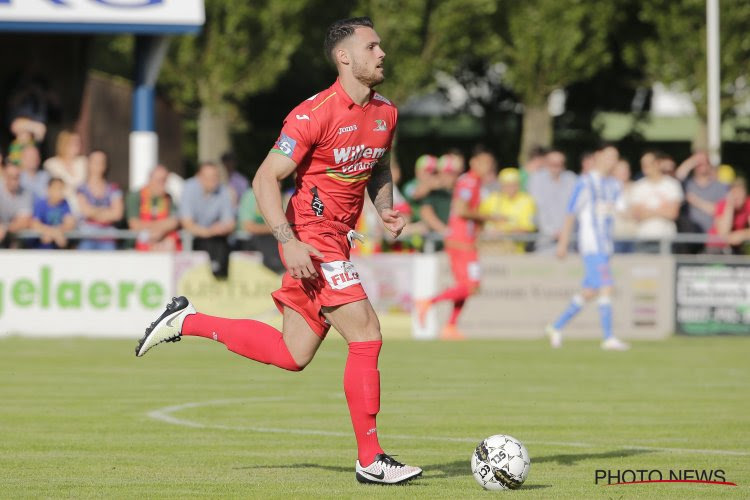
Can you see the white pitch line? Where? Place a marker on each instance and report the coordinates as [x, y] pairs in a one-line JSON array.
[[166, 415]]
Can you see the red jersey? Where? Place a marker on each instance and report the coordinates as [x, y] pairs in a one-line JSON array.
[[336, 144], [741, 218], [467, 189]]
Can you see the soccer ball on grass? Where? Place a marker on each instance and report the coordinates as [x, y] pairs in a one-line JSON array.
[[500, 462]]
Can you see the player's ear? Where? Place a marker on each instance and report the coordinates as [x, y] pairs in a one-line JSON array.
[[342, 56]]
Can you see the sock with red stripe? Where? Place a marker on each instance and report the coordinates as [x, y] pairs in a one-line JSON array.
[[246, 337], [362, 389], [456, 294]]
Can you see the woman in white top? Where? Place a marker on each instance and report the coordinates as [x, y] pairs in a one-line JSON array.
[[69, 165]]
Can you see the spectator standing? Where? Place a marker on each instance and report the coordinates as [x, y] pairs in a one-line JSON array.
[[424, 181], [100, 203], [731, 220], [68, 165], [15, 204], [702, 192], [206, 213], [261, 240], [551, 189], [656, 204], [237, 182], [32, 178], [513, 209], [53, 217], [625, 226], [435, 208], [587, 162], [534, 164], [152, 213]]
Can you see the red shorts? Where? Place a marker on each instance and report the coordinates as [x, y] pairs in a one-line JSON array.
[[337, 283], [465, 266]]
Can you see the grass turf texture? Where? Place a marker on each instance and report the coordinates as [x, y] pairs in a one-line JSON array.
[[74, 418]]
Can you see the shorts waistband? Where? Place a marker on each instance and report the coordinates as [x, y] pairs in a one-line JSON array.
[[332, 224]]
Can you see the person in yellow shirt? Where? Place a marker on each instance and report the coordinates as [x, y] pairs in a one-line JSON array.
[[515, 208]]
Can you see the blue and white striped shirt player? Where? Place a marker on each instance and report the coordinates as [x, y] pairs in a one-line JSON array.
[[594, 201]]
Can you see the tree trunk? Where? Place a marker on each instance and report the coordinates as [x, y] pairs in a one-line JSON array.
[[537, 130], [700, 139], [213, 134]]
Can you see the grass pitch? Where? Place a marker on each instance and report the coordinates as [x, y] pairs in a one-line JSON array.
[[85, 418]]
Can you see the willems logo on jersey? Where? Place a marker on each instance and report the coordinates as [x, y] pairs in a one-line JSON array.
[[610, 477]]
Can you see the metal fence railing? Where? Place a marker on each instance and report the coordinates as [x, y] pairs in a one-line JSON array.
[[663, 246]]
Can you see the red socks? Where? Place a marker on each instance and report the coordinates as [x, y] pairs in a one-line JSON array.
[[246, 337], [457, 308], [456, 294], [362, 389]]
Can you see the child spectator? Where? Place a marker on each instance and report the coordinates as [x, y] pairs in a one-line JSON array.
[[153, 214], [27, 132], [100, 204], [52, 216], [15, 204], [68, 165]]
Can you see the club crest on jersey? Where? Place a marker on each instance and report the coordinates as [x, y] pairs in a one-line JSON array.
[[317, 204], [285, 145], [380, 126]]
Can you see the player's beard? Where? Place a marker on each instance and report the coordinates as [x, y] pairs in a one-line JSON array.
[[368, 78]]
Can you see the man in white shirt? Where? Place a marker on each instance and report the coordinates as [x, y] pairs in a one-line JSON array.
[[656, 200]]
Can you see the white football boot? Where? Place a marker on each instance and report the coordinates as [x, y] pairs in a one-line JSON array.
[[555, 337], [614, 344], [386, 470], [168, 327]]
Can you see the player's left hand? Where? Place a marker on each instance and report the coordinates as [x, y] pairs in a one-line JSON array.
[[393, 221]]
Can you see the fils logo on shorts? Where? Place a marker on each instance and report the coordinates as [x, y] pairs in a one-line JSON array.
[[340, 274]]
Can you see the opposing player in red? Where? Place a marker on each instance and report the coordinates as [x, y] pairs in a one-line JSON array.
[[338, 143], [464, 225]]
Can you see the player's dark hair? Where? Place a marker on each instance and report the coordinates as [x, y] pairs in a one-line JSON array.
[[340, 30]]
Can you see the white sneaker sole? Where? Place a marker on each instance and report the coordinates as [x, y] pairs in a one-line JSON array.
[[164, 330]]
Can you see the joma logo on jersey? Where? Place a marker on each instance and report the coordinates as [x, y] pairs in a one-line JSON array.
[[350, 128], [354, 153]]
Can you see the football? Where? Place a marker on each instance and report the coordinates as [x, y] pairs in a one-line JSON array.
[[500, 462]]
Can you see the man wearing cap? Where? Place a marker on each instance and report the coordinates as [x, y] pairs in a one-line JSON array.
[[436, 206], [423, 182], [514, 209]]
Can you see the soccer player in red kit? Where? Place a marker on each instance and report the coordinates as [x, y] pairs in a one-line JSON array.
[[464, 225], [338, 143]]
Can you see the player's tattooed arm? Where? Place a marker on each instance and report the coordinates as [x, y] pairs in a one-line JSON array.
[[380, 186], [282, 232]]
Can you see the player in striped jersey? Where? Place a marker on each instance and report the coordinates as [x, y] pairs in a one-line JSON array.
[[595, 198]]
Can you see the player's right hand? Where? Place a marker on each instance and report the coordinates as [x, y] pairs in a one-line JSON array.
[[298, 262]]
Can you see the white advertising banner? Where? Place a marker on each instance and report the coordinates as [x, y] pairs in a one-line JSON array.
[[51, 293], [520, 294], [102, 15]]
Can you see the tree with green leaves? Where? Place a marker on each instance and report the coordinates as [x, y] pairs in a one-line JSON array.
[[242, 50], [547, 45], [675, 54]]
